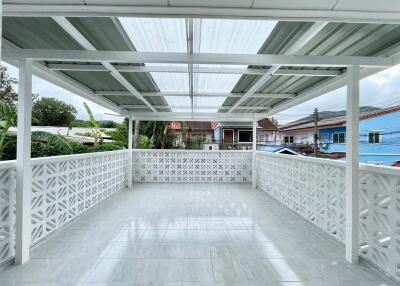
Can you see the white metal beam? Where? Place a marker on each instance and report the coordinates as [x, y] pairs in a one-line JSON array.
[[352, 164], [291, 72], [189, 116], [130, 106], [300, 42], [1, 25], [205, 94], [183, 69], [254, 162], [197, 58], [130, 144], [63, 81], [335, 83], [75, 34], [23, 174], [256, 86], [185, 11], [318, 90], [189, 43]]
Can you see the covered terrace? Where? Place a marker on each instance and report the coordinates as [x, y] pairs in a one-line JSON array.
[[175, 217]]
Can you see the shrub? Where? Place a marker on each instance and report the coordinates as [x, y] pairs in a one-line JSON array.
[[106, 147], [143, 142]]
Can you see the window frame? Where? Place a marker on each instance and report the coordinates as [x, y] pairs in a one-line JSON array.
[[375, 132], [338, 134], [290, 139], [251, 137]]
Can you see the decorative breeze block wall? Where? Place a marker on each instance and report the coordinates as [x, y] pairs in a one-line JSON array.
[[179, 166], [315, 189], [65, 187], [7, 210]]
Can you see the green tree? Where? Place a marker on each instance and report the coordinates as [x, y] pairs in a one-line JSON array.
[[53, 112], [120, 135], [7, 92]]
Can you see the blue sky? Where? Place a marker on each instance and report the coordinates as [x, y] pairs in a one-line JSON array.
[[382, 90]]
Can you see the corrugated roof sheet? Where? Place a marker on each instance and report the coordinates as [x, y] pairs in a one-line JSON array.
[[334, 39], [216, 35]]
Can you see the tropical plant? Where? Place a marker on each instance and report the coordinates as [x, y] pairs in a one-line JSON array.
[[8, 118], [58, 141], [144, 142], [94, 125]]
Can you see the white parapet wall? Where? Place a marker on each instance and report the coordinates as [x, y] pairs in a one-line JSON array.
[[315, 189], [63, 187], [192, 166], [7, 209]]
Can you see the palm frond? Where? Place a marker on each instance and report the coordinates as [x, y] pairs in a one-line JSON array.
[[90, 114]]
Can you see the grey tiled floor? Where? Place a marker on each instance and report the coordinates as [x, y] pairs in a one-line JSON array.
[[190, 234]]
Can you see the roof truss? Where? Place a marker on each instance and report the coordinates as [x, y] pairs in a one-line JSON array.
[[186, 11], [183, 69], [198, 58]]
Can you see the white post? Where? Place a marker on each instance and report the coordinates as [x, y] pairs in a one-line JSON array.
[[352, 164], [254, 166], [130, 157], [23, 187], [1, 24]]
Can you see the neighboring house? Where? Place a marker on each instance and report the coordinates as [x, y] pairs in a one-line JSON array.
[[72, 134], [278, 150], [194, 129], [239, 135], [379, 135]]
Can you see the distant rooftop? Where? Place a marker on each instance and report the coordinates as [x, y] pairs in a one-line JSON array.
[[336, 118]]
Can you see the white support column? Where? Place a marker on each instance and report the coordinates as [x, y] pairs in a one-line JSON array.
[[24, 186], [254, 166], [1, 24], [130, 157], [352, 164]]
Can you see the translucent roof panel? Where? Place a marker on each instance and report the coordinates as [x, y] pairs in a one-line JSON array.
[[225, 36], [209, 36], [156, 34], [161, 35], [230, 36]]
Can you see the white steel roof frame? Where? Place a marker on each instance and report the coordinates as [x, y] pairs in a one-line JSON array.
[[197, 58], [370, 65], [287, 14], [182, 69]]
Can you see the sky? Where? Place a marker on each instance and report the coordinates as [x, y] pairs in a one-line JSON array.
[[381, 90]]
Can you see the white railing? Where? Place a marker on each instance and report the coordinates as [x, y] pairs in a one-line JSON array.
[[192, 166], [7, 210], [64, 187], [315, 189]]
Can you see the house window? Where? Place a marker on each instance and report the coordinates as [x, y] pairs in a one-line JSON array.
[[339, 138], [289, 139], [261, 138], [374, 137], [245, 136]]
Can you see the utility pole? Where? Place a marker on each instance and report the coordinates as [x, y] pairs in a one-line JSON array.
[[136, 134], [315, 132]]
